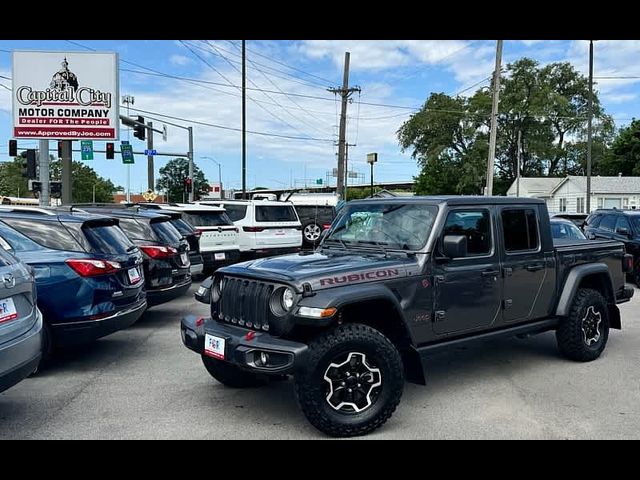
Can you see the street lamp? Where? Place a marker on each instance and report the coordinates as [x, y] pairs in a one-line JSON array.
[[371, 159], [219, 172]]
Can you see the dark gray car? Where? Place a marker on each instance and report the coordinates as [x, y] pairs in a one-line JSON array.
[[20, 321]]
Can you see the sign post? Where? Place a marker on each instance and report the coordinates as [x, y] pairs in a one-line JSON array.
[[371, 159]]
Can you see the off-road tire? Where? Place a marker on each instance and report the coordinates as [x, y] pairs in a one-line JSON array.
[[569, 334], [232, 376], [310, 385]]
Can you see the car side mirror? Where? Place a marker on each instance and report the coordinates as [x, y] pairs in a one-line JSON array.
[[623, 231], [203, 294], [454, 246]]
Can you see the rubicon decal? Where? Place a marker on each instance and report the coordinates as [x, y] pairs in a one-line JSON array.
[[65, 95], [360, 277]]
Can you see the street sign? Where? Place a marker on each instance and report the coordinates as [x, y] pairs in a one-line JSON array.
[[353, 174], [150, 152], [318, 181], [149, 195], [86, 148], [372, 158], [126, 149]]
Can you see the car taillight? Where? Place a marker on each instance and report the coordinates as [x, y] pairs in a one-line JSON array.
[[253, 229], [159, 251], [326, 226], [88, 267], [627, 263]]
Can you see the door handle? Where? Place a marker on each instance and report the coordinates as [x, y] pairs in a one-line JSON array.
[[535, 267], [490, 273]]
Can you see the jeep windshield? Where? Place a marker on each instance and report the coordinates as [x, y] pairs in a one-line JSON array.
[[387, 225]]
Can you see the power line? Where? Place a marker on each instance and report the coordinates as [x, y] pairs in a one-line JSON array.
[[223, 127], [471, 86], [3, 85]]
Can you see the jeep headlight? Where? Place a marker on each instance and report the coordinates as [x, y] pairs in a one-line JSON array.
[[288, 299], [216, 290]]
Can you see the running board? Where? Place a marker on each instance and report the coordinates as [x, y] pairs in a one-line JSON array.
[[528, 328]]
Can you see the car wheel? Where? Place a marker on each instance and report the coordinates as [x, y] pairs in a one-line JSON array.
[[353, 381], [232, 376], [311, 233], [582, 336]]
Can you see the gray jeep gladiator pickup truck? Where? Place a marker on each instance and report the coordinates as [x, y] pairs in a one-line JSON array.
[[393, 281]]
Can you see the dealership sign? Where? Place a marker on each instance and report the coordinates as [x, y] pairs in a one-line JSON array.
[[65, 95]]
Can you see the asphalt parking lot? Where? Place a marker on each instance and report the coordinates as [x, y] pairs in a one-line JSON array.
[[142, 383]]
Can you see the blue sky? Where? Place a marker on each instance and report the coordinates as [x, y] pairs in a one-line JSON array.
[[391, 73]]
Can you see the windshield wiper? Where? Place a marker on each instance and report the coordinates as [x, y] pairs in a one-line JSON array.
[[338, 240], [380, 245]]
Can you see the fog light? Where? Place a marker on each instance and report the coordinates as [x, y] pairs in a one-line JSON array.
[[264, 358]]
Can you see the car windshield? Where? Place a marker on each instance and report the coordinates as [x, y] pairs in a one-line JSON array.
[[566, 230], [393, 225]]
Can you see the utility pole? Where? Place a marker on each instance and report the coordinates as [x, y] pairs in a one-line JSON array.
[[128, 100], [67, 191], [518, 174], [589, 123], [193, 183], [494, 119], [344, 92], [44, 162], [150, 179], [244, 122]]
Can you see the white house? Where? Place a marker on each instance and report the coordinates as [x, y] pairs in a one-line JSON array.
[[534, 187], [569, 193]]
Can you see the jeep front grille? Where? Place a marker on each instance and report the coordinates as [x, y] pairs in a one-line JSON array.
[[246, 303]]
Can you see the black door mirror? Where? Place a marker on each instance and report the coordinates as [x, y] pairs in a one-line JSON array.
[[203, 294], [454, 246], [624, 231]]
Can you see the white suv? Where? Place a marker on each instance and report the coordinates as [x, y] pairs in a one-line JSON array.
[[265, 226], [219, 237]]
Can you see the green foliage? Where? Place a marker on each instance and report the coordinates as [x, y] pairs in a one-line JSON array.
[[172, 177], [448, 137], [12, 183], [83, 180], [624, 155]]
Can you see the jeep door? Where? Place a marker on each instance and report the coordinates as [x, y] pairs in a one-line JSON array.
[[468, 290]]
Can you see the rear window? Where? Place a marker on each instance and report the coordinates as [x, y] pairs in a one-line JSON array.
[[166, 232], [107, 239], [137, 229], [183, 227], [236, 212], [48, 234], [208, 219], [276, 213], [313, 212]]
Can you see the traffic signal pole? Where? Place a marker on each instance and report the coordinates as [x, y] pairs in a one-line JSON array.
[[44, 161], [150, 179]]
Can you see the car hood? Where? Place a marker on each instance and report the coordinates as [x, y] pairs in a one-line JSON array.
[[327, 269]]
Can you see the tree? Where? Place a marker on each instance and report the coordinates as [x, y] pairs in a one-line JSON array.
[[12, 183], [83, 181], [172, 177], [547, 105], [624, 155]]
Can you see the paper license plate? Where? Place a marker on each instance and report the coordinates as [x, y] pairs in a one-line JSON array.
[[134, 275], [214, 346], [219, 256], [7, 310]]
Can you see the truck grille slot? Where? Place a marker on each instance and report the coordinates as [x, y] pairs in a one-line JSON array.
[[246, 303]]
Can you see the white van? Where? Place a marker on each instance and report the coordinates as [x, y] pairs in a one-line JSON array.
[[265, 226], [219, 237]]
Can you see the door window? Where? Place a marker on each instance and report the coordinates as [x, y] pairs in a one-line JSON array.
[[473, 224], [520, 230]]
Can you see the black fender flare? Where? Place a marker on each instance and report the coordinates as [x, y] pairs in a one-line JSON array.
[[571, 284]]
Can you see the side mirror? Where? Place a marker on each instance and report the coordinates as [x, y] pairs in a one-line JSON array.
[[203, 294], [623, 231], [454, 246]]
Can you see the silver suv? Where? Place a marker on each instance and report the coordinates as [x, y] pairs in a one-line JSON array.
[[20, 320]]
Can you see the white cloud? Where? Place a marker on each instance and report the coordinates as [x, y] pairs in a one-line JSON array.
[[619, 97], [180, 60]]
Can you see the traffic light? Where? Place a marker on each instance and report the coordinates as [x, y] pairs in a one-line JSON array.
[[55, 189], [140, 131], [188, 185], [60, 148], [110, 151], [13, 148], [35, 186], [29, 164]]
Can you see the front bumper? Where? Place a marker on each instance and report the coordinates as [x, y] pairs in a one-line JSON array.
[[163, 295], [20, 357], [84, 331], [286, 356]]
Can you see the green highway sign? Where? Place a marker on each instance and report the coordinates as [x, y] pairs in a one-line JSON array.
[[86, 149], [126, 149], [318, 181]]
